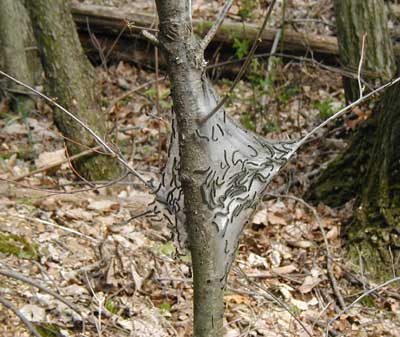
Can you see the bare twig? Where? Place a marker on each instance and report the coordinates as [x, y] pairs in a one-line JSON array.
[[152, 38], [66, 229], [244, 67], [19, 314], [360, 64], [119, 157], [128, 93], [217, 23], [60, 162], [358, 299], [342, 112], [23, 278], [329, 258], [276, 299]]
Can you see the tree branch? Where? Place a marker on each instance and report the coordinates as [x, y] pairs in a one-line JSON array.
[[244, 67], [19, 314], [119, 157], [218, 22]]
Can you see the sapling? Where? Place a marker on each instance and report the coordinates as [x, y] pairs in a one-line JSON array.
[[216, 171]]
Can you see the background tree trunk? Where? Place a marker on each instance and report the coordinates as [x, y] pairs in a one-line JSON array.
[[375, 231], [369, 168], [354, 18], [18, 56], [71, 79], [342, 180]]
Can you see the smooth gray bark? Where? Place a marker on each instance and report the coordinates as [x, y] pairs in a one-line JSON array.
[[216, 170]]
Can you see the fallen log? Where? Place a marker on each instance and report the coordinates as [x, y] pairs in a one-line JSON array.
[[118, 34], [110, 21]]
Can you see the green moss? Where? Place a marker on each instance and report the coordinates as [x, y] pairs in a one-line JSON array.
[[18, 246], [111, 306], [47, 330], [202, 27]]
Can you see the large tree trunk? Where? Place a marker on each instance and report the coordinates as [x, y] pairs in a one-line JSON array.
[[342, 180], [71, 79], [376, 229], [18, 55], [354, 18], [369, 168]]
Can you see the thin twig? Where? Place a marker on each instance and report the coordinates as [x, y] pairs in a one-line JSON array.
[[329, 258], [360, 64], [345, 309], [217, 24], [119, 157], [128, 93], [244, 67], [276, 299], [23, 278], [58, 163], [49, 223], [19, 314], [342, 112]]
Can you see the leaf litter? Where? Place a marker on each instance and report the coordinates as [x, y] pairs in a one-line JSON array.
[[126, 277]]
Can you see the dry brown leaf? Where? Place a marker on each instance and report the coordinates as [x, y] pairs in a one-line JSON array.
[[235, 298], [309, 283], [51, 158], [274, 219], [261, 217], [333, 233], [301, 244], [103, 205]]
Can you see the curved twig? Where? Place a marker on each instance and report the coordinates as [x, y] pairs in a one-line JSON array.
[[23, 278], [358, 299], [19, 314], [119, 157], [329, 258]]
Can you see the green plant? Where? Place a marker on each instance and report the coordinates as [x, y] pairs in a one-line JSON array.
[[111, 306], [247, 121], [324, 107], [18, 246], [241, 47], [287, 93], [246, 9]]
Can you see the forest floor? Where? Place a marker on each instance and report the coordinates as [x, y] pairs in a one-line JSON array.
[[126, 278]]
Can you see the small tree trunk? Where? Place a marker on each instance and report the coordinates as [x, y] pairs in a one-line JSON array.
[[342, 180], [354, 18], [18, 56], [71, 80], [188, 92]]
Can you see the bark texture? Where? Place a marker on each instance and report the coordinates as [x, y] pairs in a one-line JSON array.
[[221, 169], [185, 72], [375, 233], [369, 168], [354, 18], [18, 56], [71, 80], [342, 180]]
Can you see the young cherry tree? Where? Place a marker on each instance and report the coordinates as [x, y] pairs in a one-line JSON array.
[[216, 171]]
